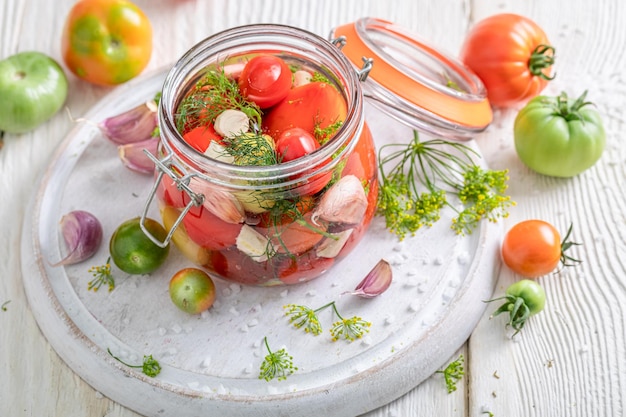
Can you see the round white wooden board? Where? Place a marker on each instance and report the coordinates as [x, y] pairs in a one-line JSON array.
[[211, 361]]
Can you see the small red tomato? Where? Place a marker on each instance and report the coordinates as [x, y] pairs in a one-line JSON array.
[[533, 248], [192, 290], [294, 143], [265, 80]]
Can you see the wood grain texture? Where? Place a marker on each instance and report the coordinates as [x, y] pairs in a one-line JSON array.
[[568, 361]]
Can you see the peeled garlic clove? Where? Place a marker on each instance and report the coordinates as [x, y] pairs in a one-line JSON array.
[[301, 77], [82, 233], [221, 203], [331, 246], [231, 123], [344, 202], [134, 125], [219, 153], [254, 244], [375, 282], [134, 158]]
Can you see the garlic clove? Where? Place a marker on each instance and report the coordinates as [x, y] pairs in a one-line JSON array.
[[82, 233], [331, 246], [221, 203], [231, 122], [254, 244], [134, 158], [301, 77], [344, 202], [134, 125], [218, 152], [376, 281]]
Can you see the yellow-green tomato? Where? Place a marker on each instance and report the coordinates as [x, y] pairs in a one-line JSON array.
[[558, 136], [192, 290]]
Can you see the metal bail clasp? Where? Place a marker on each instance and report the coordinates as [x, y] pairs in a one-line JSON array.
[[339, 42], [368, 64], [182, 183]]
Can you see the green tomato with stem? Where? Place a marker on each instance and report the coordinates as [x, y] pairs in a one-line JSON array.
[[559, 136], [523, 299]]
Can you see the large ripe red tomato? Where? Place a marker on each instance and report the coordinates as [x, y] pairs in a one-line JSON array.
[[512, 56], [106, 42], [307, 106], [265, 80]]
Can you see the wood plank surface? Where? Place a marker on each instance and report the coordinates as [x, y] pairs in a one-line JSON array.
[[568, 361]]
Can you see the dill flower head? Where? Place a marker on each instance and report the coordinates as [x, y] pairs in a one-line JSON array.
[[277, 364], [303, 317], [349, 329]]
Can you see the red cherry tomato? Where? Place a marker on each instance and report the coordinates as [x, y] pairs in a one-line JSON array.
[[311, 105], [208, 230], [265, 80], [533, 248], [294, 143], [201, 136]]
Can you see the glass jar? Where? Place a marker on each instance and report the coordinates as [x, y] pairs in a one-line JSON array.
[[277, 224], [288, 223]]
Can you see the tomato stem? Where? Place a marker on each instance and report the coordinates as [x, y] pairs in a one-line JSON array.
[[567, 260], [541, 58]]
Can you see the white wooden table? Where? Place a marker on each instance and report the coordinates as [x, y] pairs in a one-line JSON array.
[[568, 361]]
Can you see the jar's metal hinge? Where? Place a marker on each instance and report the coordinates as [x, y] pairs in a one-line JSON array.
[[368, 63]]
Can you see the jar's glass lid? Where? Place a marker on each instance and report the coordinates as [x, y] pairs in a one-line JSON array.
[[413, 81]]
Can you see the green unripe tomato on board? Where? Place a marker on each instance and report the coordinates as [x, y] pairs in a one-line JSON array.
[[33, 87], [558, 136]]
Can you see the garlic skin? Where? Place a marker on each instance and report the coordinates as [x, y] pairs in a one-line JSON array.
[[82, 233], [344, 202], [134, 158], [376, 281], [134, 125]]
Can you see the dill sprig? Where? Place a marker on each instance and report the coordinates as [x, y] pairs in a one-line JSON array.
[[149, 367], [212, 94], [453, 373], [277, 364], [102, 275], [413, 192], [252, 149]]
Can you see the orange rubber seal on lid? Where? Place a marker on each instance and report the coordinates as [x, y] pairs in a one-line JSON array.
[[473, 112]]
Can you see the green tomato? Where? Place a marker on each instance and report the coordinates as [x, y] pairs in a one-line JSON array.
[[33, 87], [192, 290], [531, 293], [135, 253], [559, 137], [523, 299]]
